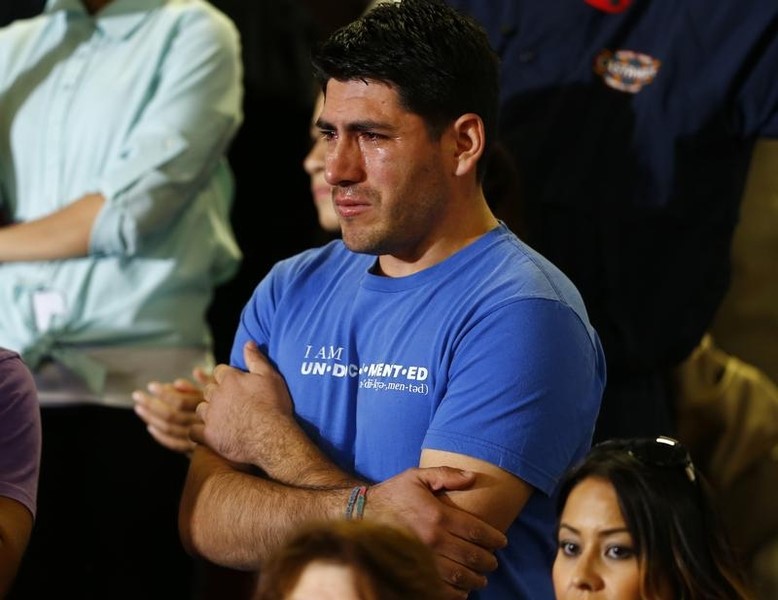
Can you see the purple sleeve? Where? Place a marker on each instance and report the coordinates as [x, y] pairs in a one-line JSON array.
[[20, 431]]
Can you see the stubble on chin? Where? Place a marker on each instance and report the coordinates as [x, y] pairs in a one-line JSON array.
[[362, 241]]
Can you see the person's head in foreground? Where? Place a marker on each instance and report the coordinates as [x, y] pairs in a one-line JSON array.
[[351, 560], [636, 522]]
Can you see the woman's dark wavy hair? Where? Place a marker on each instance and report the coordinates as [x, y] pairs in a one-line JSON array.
[[439, 61], [679, 538]]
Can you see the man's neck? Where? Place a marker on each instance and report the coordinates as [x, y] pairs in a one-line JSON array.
[[463, 232]]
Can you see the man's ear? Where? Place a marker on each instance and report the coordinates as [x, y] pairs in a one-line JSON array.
[[470, 138]]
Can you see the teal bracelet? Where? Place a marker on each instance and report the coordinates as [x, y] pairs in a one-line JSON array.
[[356, 500], [361, 499]]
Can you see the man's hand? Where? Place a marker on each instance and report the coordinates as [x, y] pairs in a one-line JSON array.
[[168, 409], [464, 544], [247, 416]]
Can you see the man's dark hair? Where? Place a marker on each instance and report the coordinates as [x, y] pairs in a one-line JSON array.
[[439, 61]]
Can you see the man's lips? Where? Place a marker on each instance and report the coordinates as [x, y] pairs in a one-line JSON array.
[[350, 207]]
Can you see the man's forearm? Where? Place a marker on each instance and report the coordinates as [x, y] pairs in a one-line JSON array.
[[236, 519], [290, 457]]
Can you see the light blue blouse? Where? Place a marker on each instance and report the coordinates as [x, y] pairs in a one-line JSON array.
[[138, 103]]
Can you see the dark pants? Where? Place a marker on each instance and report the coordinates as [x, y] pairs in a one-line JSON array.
[[107, 511]]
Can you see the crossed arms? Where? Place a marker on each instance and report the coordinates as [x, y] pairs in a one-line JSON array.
[[255, 476]]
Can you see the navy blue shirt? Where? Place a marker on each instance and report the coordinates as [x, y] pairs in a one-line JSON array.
[[633, 133]]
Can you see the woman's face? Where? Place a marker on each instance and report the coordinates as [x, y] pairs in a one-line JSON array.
[[596, 556], [314, 166], [322, 580]]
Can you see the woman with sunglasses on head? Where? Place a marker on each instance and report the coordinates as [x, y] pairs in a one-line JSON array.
[[636, 522]]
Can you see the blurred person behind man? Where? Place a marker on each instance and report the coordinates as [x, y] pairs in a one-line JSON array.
[[745, 456], [116, 116], [632, 123], [276, 41]]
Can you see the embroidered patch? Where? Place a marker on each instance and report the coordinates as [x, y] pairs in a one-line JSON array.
[[626, 70]]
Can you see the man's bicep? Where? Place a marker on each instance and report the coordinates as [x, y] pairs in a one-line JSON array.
[[497, 496]]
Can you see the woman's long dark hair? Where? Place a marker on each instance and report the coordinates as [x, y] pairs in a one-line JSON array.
[[679, 539]]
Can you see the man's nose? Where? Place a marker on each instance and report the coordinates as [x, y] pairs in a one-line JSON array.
[[343, 163]]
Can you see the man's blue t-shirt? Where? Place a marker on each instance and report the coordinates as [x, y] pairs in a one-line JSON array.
[[488, 354]]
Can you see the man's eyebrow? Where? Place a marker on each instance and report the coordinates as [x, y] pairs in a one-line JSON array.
[[323, 125], [356, 126]]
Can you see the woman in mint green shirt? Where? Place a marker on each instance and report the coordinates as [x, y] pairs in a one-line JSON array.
[[115, 117]]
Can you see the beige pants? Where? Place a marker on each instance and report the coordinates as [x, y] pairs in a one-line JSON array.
[[728, 418]]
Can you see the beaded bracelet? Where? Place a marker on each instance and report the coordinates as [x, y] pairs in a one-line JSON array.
[[356, 500]]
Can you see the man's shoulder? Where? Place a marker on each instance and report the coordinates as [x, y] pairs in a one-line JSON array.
[[522, 270]]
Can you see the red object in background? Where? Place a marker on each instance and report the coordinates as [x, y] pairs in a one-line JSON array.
[[610, 6]]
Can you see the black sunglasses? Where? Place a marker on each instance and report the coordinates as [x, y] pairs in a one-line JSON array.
[[661, 451]]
